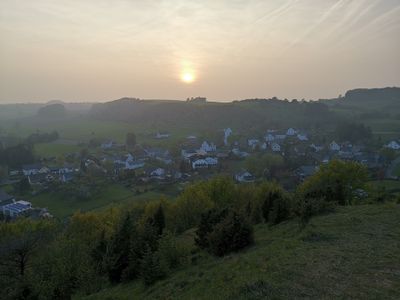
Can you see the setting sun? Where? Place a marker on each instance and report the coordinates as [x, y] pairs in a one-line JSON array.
[[187, 77]]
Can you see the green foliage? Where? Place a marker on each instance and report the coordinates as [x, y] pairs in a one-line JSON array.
[[353, 132], [233, 233], [335, 182], [207, 223], [120, 249], [20, 242], [263, 164], [16, 156], [221, 232], [276, 206], [150, 267], [199, 198], [159, 220], [171, 253], [23, 186]]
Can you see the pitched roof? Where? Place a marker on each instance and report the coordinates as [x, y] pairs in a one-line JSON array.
[[32, 166]]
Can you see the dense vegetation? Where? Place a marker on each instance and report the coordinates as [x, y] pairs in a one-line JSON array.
[[143, 242]]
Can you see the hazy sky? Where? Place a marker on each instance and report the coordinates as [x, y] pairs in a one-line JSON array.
[[88, 50]]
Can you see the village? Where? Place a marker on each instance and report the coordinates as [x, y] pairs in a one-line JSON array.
[[288, 156]]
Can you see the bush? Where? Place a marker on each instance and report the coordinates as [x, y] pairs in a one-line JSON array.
[[311, 206], [226, 232], [276, 207]]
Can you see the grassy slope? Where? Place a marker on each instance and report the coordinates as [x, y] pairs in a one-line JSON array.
[[353, 253]]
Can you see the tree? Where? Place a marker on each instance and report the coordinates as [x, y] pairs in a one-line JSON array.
[[20, 242], [233, 233], [120, 249], [276, 206], [261, 164], [206, 226], [223, 231], [130, 139], [150, 267], [23, 185], [159, 220], [335, 182], [52, 111]]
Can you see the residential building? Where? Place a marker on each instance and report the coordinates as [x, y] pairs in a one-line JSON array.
[[244, 176]]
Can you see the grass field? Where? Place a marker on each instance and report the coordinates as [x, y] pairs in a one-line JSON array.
[[392, 186], [110, 195], [53, 149], [334, 257]]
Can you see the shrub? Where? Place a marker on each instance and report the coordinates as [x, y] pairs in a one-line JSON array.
[[276, 207], [223, 231]]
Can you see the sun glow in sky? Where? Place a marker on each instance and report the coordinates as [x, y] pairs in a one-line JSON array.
[[187, 77], [98, 50]]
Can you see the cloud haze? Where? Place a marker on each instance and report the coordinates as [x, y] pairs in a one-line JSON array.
[[88, 50]]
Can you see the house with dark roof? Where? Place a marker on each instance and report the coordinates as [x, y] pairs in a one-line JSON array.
[[306, 171]]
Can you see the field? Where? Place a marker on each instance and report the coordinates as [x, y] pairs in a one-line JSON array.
[[55, 149], [334, 257], [392, 186], [388, 129], [109, 195]]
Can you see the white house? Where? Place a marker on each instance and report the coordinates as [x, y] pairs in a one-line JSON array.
[[188, 153], [107, 144], [162, 135], [244, 176], [199, 163], [393, 145], [204, 163], [291, 132], [237, 152], [334, 146], [158, 173], [316, 147], [276, 147], [302, 137], [269, 138], [264, 146], [66, 169], [252, 143], [280, 136], [208, 147], [34, 169], [227, 133]]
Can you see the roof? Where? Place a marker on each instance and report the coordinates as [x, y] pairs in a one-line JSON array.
[[32, 166], [18, 206], [307, 170]]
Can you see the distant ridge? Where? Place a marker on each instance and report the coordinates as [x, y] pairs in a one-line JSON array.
[[378, 94]]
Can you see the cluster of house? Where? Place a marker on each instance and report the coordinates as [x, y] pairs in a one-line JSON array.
[[11, 208], [39, 173], [203, 156]]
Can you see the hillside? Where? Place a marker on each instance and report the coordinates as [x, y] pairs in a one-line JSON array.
[[239, 115], [352, 253]]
